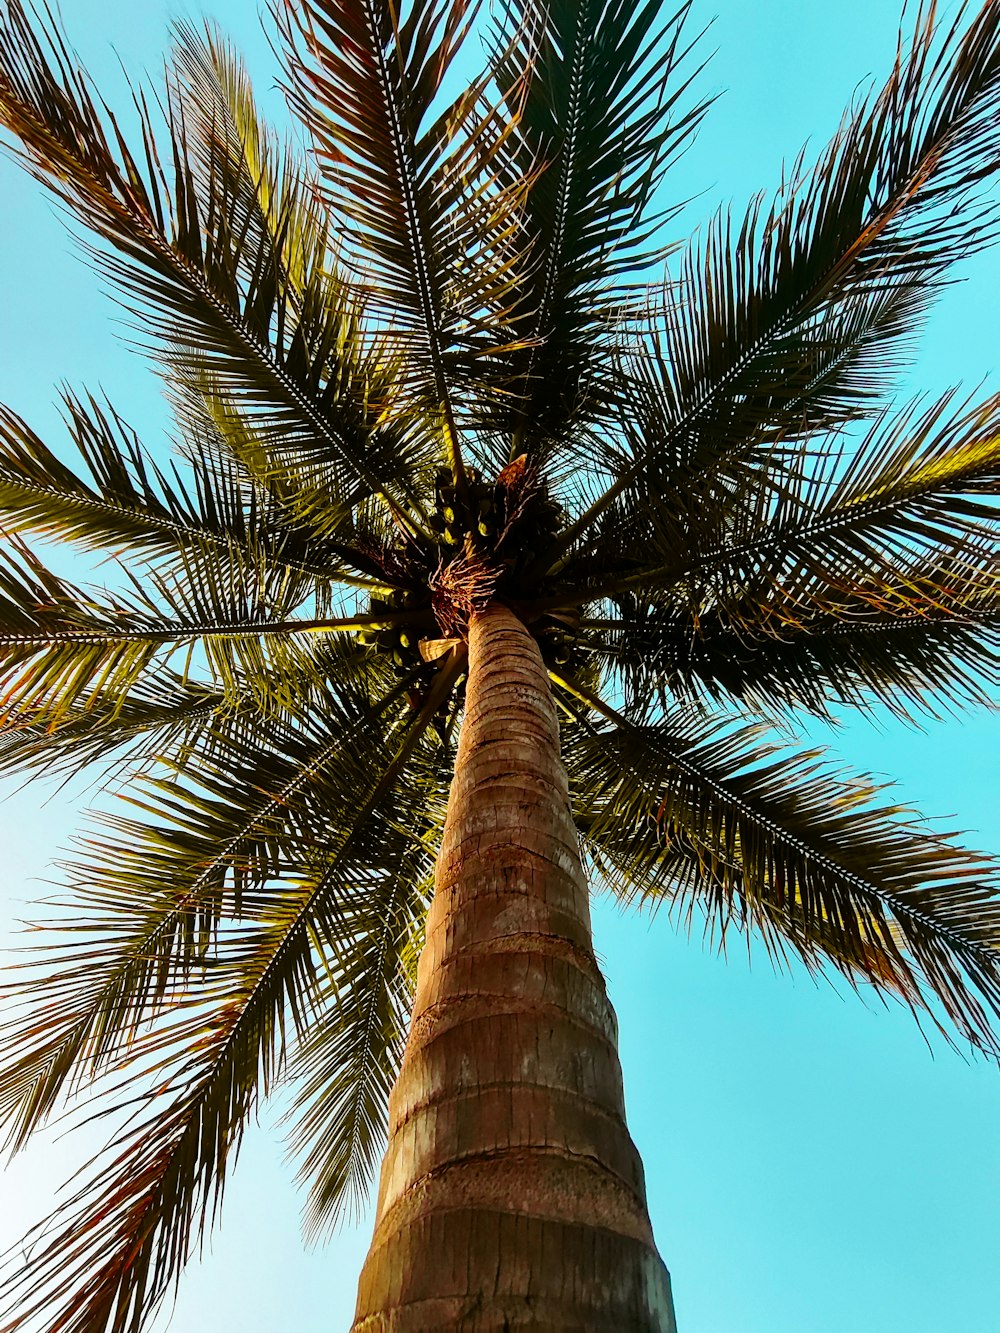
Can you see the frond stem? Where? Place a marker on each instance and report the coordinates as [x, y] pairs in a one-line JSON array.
[[181, 633]]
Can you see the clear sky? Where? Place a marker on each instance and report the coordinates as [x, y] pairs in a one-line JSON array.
[[812, 1166]]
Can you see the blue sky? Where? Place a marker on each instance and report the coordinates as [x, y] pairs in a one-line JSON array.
[[812, 1166]]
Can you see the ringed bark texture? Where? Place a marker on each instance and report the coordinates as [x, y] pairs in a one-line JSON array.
[[511, 1194]]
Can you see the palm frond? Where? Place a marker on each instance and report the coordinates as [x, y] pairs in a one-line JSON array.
[[870, 574], [908, 662], [287, 505], [63, 647], [345, 1066], [787, 322], [59, 645], [275, 238], [227, 820], [219, 292], [164, 715], [300, 855], [803, 854], [921, 478], [874, 574], [425, 215], [596, 104], [124, 500], [349, 1060], [168, 715]]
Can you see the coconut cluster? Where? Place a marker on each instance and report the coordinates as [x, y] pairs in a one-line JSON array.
[[485, 540]]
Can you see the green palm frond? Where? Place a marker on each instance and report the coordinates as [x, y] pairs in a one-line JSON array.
[[426, 217], [287, 507], [210, 505], [229, 818], [275, 241], [801, 853], [171, 1171], [59, 646], [346, 1064], [251, 878], [124, 500], [62, 646], [871, 572], [125, 503], [163, 716], [909, 662], [597, 115], [921, 477], [220, 838], [787, 322], [920, 633], [168, 716], [223, 303]]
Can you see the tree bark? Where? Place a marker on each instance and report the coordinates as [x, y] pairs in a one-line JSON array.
[[511, 1195]]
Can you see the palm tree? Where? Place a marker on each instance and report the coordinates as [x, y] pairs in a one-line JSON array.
[[461, 509]]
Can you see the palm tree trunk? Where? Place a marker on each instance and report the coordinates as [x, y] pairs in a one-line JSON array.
[[511, 1195]]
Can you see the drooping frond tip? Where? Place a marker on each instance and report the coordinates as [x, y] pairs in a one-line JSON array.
[[805, 856]]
